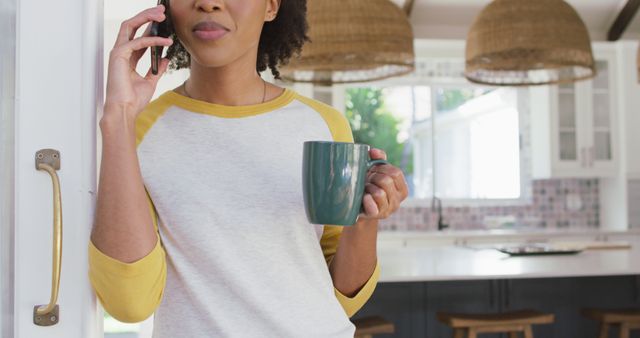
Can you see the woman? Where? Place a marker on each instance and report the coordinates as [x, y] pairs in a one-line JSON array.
[[200, 215]]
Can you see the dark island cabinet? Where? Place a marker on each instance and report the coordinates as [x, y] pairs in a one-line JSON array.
[[412, 306]]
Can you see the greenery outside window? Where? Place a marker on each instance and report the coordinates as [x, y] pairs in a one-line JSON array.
[[461, 142]]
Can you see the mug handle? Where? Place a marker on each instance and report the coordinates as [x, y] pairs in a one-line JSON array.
[[370, 165]]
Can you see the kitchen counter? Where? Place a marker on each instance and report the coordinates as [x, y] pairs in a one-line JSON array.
[[505, 233], [412, 259]]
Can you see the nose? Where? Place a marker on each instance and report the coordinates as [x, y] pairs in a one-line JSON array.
[[210, 5]]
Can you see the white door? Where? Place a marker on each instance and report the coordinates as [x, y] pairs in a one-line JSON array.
[[51, 59]]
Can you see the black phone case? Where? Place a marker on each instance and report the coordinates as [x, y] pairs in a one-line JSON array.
[[163, 29]]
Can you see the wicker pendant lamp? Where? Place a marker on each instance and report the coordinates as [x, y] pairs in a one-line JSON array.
[[353, 41], [528, 42]]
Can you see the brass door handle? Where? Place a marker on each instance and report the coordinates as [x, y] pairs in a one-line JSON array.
[[48, 314]]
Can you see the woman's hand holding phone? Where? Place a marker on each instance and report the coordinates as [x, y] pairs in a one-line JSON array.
[[127, 91]]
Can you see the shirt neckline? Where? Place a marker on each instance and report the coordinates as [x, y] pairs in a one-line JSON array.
[[221, 110]]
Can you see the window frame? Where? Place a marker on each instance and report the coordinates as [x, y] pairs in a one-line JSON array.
[[337, 92]]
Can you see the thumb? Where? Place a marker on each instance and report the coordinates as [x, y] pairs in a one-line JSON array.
[[376, 154]]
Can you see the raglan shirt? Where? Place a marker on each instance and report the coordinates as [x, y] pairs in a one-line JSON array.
[[235, 256]]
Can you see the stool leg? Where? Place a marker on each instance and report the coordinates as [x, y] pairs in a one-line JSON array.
[[528, 333], [458, 333], [513, 334], [624, 330], [473, 333], [604, 330]]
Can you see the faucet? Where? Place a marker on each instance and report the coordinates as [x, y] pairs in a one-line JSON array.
[[436, 204]]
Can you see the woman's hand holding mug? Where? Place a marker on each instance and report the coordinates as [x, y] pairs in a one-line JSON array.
[[385, 189], [343, 182]]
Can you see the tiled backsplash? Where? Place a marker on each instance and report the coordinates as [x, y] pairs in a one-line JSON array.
[[555, 203], [634, 203]]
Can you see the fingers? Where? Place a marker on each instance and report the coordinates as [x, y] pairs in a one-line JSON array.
[[369, 205], [380, 197], [377, 153], [387, 186], [135, 57], [129, 27], [125, 51], [162, 67], [396, 174]]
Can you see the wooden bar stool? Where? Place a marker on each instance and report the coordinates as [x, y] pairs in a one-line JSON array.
[[507, 322], [366, 327], [624, 319]]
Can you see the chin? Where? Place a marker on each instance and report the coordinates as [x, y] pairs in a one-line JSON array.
[[210, 62], [212, 57]]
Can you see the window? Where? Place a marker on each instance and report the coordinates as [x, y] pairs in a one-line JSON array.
[[460, 141]]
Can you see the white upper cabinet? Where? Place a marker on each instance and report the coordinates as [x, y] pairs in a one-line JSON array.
[[573, 125]]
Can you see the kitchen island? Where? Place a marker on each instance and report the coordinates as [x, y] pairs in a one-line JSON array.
[[423, 273], [407, 257]]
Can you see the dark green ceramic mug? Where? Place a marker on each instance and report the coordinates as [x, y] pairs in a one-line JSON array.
[[333, 180]]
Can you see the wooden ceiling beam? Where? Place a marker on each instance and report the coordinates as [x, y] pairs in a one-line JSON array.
[[623, 19], [408, 7]]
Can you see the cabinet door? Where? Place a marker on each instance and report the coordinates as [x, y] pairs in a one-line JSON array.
[[601, 132], [585, 125], [566, 128], [574, 125]]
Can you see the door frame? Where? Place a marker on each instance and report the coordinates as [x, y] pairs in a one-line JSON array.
[[7, 91]]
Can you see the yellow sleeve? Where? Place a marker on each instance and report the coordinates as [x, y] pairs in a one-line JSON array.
[[341, 132], [329, 244], [131, 292]]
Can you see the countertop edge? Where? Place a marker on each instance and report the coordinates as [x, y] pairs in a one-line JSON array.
[[502, 233]]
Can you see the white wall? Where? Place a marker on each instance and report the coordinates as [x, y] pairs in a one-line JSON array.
[[629, 106]]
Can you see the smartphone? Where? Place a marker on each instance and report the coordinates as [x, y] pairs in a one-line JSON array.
[[163, 29]]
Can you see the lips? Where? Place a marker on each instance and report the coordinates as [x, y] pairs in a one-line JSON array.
[[209, 26], [209, 30]]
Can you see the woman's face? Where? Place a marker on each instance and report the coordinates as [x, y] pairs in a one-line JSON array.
[[241, 22]]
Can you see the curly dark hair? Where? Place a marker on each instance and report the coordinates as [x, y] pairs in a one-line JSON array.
[[279, 39]]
